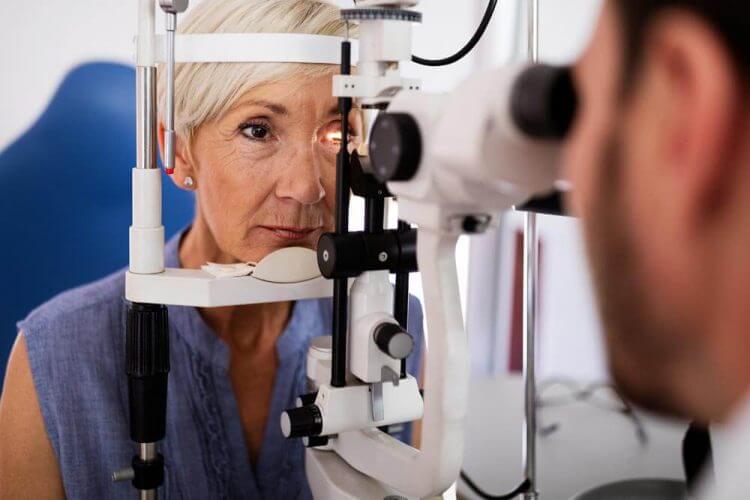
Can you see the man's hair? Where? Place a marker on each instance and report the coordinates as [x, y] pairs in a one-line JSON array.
[[729, 18]]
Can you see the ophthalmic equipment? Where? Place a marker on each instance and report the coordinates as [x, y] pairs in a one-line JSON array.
[[447, 180]]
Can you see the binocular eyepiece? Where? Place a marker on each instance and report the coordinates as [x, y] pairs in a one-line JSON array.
[[543, 104]]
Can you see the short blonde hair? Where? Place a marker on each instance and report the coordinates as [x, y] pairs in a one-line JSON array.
[[203, 92]]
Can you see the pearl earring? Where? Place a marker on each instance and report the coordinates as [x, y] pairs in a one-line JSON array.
[[188, 182]]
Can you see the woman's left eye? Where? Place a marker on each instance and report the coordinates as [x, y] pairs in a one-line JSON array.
[[331, 134], [256, 132]]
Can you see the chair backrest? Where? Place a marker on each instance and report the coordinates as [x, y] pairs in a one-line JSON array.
[[65, 196]]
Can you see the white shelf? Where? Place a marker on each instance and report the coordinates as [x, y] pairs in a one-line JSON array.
[[189, 287]]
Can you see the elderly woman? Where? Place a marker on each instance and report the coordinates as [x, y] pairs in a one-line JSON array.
[[257, 144]]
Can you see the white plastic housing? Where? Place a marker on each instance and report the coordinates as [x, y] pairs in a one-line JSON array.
[[350, 408], [146, 231], [433, 468], [384, 41], [362, 87], [474, 159], [331, 478], [371, 305], [383, 44], [192, 287]]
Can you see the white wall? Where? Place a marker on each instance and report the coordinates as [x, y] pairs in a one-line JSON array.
[[42, 40]]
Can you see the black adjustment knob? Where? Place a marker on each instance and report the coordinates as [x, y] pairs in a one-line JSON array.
[[350, 254], [304, 421], [544, 102], [147, 340], [395, 147], [341, 255], [147, 367], [394, 340]]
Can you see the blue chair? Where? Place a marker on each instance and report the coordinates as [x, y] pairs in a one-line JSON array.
[[65, 197]]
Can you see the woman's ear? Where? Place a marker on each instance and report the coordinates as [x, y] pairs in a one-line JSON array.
[[184, 175]]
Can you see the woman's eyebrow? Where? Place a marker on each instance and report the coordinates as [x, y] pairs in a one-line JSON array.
[[279, 109]]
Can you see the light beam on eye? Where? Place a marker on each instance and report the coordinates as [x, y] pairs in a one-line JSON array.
[[333, 137]]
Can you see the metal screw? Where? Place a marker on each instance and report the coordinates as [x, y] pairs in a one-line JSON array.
[[126, 474], [382, 257], [325, 256]]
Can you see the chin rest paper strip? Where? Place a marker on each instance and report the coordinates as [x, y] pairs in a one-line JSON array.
[[255, 47], [228, 270]]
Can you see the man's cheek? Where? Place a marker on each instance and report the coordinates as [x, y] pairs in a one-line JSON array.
[[577, 170]]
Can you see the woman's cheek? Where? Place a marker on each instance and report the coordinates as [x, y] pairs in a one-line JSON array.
[[328, 179]]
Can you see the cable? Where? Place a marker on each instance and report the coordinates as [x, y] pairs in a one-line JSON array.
[[466, 48], [522, 488]]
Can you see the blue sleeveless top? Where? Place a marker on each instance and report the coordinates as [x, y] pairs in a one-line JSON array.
[[76, 346]]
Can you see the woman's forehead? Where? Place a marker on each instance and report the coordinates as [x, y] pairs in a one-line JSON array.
[[291, 96]]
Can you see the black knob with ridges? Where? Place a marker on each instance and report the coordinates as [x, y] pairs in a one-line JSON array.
[[304, 421]]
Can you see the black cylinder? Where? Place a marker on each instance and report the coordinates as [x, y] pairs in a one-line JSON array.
[[148, 474], [147, 367], [544, 102], [304, 421], [395, 147], [401, 291], [343, 187], [349, 255], [551, 204]]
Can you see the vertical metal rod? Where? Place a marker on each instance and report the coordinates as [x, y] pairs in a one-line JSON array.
[[530, 281], [343, 186], [169, 134], [148, 494], [401, 297], [145, 92], [147, 452]]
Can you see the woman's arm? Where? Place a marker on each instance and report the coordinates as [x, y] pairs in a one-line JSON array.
[[28, 467]]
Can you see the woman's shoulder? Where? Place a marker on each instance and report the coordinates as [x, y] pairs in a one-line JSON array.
[[77, 311], [75, 348]]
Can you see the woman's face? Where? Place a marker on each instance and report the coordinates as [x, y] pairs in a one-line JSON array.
[[265, 171]]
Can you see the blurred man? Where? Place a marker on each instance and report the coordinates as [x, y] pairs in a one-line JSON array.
[[660, 158]]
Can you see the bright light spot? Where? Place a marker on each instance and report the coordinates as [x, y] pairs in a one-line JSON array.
[[333, 137]]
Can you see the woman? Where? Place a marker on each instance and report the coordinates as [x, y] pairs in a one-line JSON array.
[[257, 144]]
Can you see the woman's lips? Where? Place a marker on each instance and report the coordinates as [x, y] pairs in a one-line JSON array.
[[291, 233]]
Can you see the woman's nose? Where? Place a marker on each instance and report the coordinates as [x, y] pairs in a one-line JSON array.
[[301, 181]]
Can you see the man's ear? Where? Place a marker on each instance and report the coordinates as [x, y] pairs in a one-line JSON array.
[[182, 162], [700, 79]]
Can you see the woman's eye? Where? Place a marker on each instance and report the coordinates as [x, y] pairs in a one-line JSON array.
[[332, 134], [257, 132]]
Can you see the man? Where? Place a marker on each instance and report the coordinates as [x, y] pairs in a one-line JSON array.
[[660, 160]]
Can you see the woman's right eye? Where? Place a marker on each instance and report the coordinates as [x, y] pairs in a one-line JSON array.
[[257, 132]]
